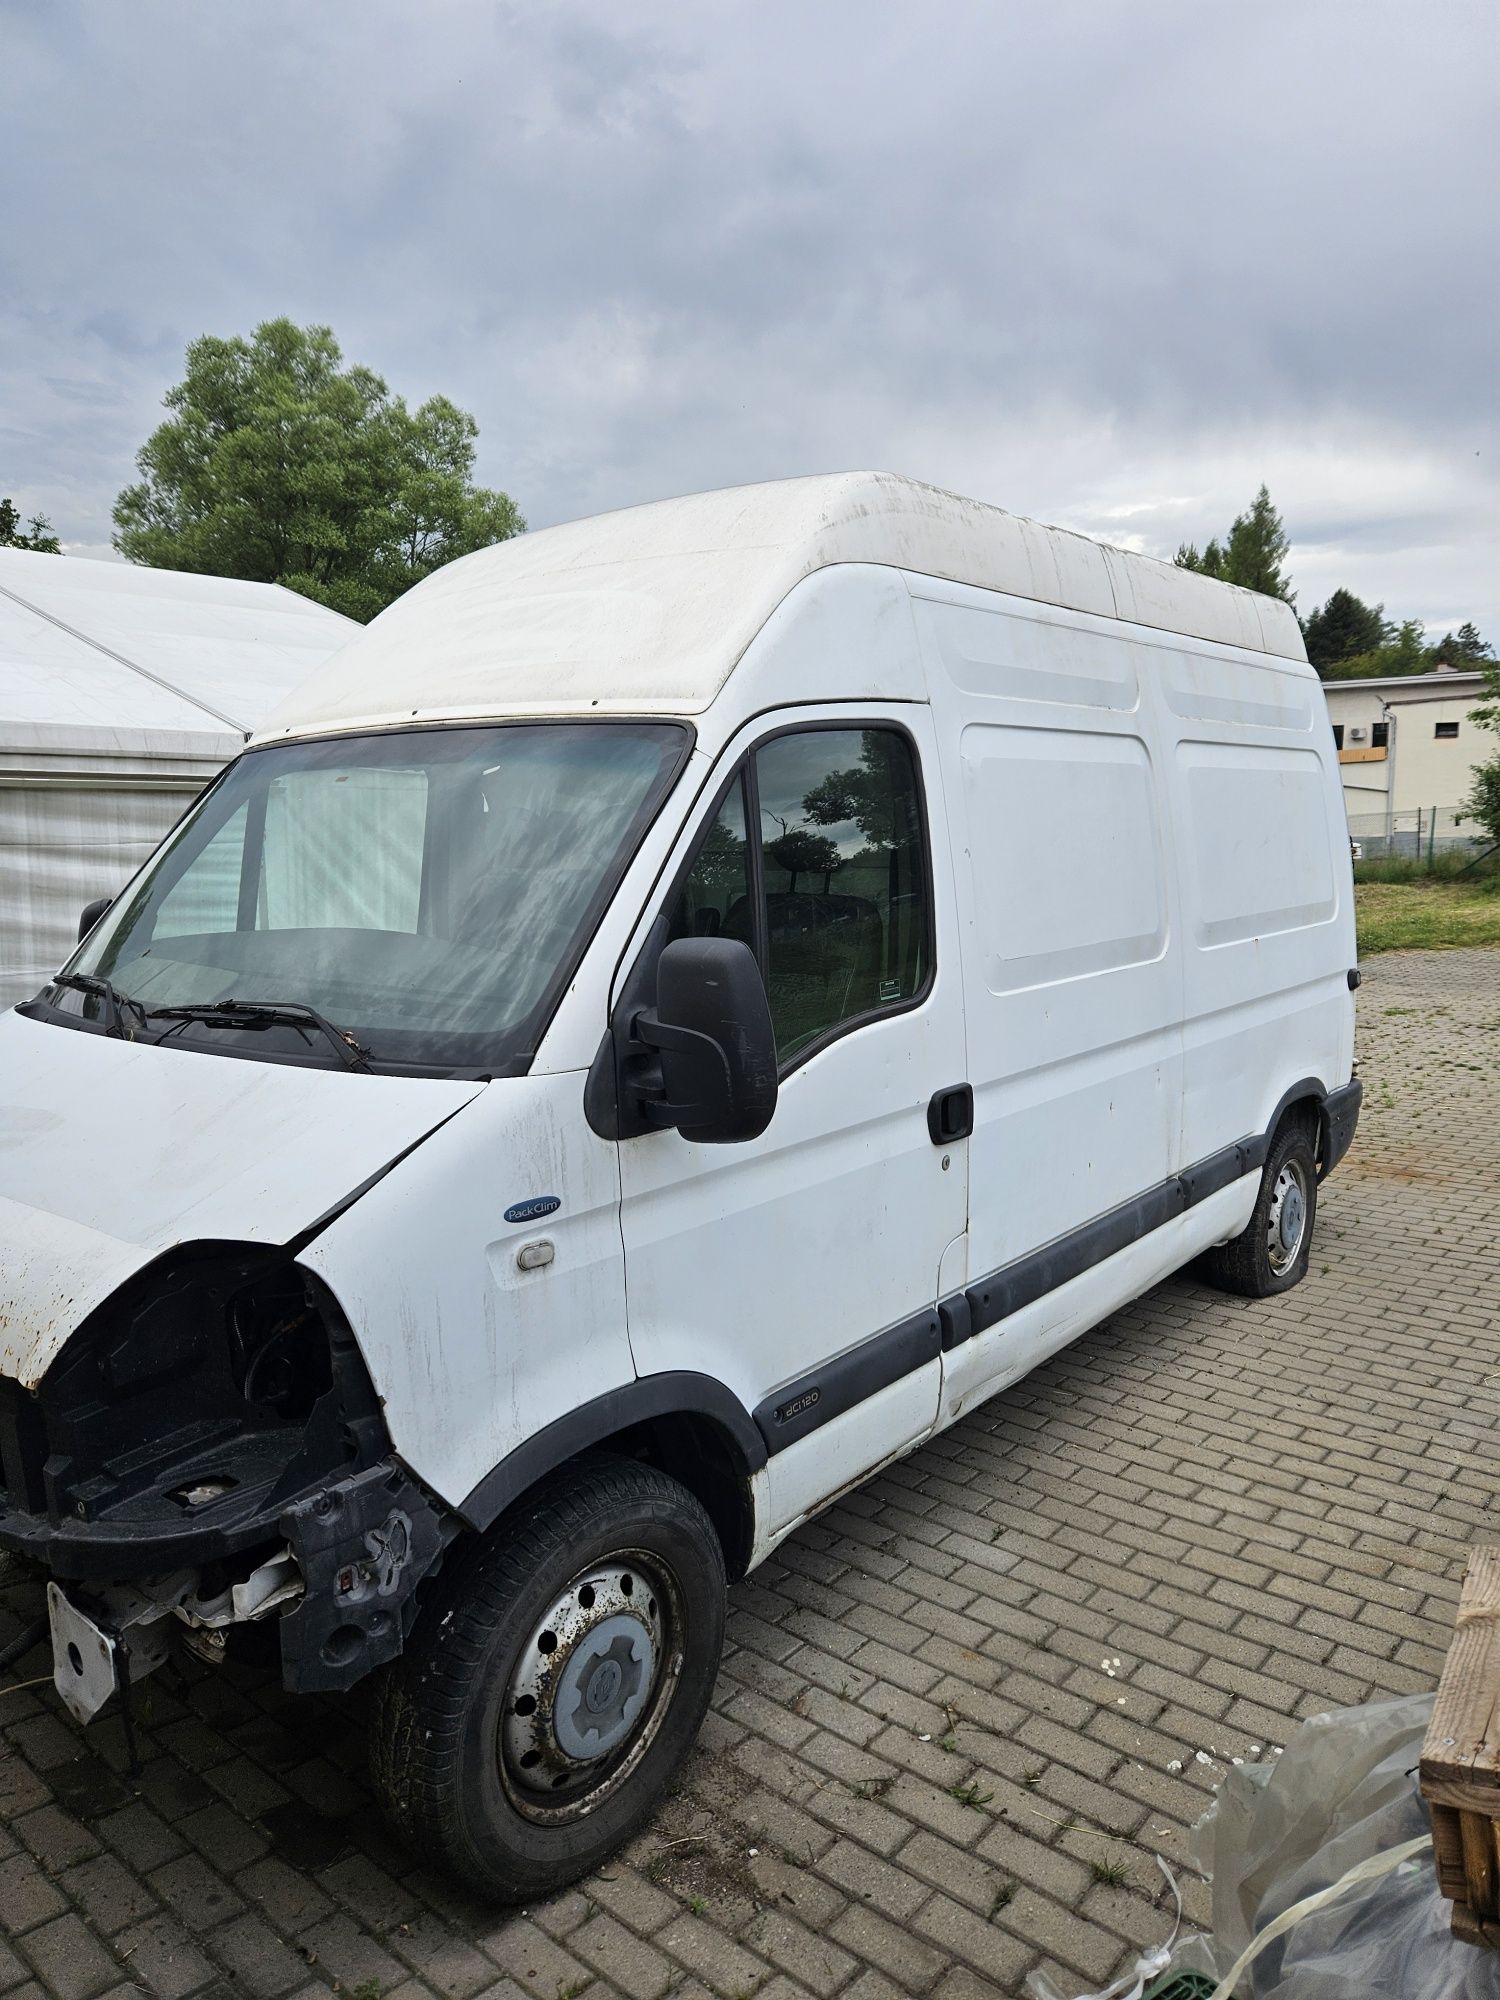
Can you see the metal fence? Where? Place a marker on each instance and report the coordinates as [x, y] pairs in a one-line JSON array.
[[1417, 834]]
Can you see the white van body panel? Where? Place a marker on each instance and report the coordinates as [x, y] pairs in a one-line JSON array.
[[1072, 984], [472, 1354], [112, 1152]]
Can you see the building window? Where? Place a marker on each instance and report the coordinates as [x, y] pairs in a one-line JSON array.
[[1338, 736], [1446, 729], [1379, 735]]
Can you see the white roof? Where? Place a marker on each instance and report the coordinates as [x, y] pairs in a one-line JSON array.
[[101, 656], [1416, 687], [648, 610]]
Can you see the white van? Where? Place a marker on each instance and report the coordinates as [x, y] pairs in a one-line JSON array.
[[679, 1009]]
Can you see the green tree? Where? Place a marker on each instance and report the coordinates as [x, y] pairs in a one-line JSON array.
[[1405, 652], [1343, 628], [1482, 803], [280, 464], [1252, 554], [1463, 648], [41, 537]]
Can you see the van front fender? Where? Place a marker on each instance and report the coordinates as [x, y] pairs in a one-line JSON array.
[[677, 1392]]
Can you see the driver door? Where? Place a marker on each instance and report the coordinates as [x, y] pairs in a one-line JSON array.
[[801, 1268]]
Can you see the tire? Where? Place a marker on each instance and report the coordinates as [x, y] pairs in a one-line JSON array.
[[554, 1681], [1267, 1257]]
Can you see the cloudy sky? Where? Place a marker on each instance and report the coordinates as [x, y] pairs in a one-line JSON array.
[[1106, 264]]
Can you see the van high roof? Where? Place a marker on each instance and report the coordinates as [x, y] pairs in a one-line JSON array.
[[647, 610]]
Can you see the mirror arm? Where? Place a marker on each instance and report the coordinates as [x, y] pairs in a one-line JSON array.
[[653, 1033]]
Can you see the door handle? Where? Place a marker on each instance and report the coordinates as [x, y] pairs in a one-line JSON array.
[[950, 1114]]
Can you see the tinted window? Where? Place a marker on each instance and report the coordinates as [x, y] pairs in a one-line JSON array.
[[829, 888], [715, 899], [845, 914]]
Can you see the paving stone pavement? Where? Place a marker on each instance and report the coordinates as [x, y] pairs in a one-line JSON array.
[[917, 1778]]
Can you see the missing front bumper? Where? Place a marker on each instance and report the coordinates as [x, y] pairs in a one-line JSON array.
[[342, 1587]]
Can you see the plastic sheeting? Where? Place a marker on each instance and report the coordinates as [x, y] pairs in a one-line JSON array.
[[1343, 1796], [1344, 1791]]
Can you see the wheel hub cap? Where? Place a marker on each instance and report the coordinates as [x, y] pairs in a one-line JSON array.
[[1287, 1219], [603, 1688], [584, 1680], [1291, 1218]]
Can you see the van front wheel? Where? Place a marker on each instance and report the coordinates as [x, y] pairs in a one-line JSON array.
[[554, 1681], [1270, 1254]]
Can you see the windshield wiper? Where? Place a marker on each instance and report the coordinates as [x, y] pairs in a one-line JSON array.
[[109, 993], [267, 1014]]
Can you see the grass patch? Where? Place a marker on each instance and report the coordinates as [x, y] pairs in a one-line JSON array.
[[1111, 1872], [1444, 866], [1429, 914], [970, 1795]]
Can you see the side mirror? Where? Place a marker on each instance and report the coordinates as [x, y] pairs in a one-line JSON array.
[[711, 1033], [92, 912]]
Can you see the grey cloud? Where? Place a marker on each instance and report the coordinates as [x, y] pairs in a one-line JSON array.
[[674, 247]]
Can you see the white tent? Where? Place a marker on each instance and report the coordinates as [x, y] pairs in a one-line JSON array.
[[122, 692]]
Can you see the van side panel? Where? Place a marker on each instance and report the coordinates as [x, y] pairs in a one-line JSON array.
[[1268, 930], [1073, 992], [1156, 913]]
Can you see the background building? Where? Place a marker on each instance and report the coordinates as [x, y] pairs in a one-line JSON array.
[[1407, 750]]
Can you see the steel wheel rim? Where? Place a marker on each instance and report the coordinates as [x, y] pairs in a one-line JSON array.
[[1286, 1219], [590, 1687]]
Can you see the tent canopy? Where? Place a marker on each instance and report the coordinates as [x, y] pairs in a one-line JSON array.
[[123, 691], [90, 650]]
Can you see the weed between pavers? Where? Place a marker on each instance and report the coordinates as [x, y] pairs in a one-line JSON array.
[[970, 1795]]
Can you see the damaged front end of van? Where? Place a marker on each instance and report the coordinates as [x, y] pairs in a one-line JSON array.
[[205, 1452]]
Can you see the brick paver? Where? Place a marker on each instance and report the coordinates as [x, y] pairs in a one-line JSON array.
[[920, 1775]]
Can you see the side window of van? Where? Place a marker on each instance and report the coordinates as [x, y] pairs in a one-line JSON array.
[[831, 889], [715, 898]]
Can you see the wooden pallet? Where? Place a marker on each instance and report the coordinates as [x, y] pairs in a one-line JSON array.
[[1460, 1768]]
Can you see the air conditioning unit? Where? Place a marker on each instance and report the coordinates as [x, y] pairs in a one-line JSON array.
[[1359, 733]]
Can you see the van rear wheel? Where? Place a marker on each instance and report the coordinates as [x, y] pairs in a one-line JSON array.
[[1270, 1254], [554, 1680]]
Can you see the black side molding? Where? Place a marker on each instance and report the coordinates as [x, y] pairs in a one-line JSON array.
[[677, 1392], [991, 1299], [811, 1400]]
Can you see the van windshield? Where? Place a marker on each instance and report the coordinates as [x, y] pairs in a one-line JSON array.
[[427, 893]]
